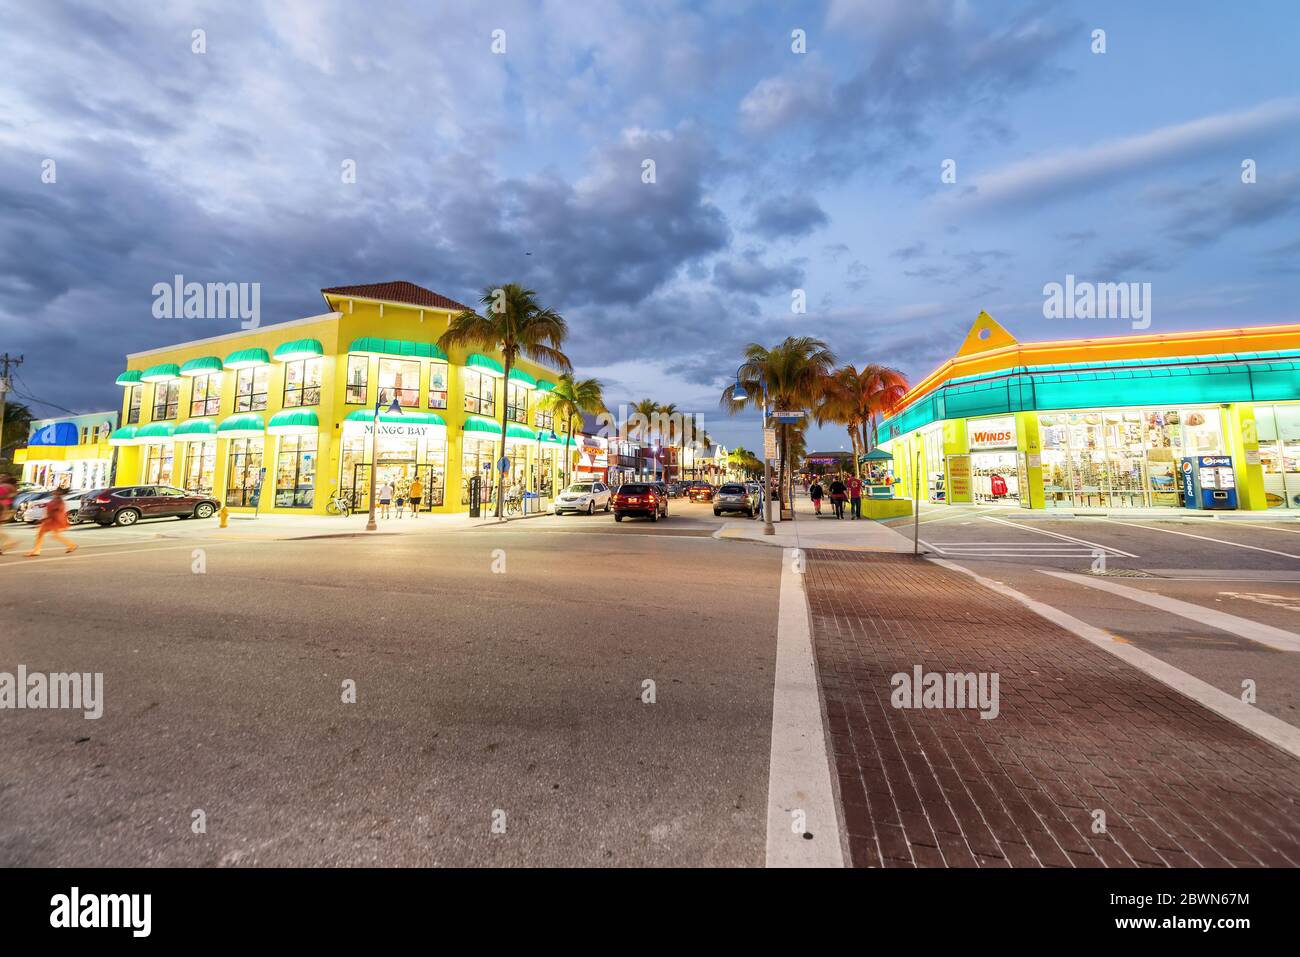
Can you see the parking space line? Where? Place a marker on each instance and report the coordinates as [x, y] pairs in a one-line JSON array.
[[1067, 538], [1206, 538], [1273, 730], [1255, 631]]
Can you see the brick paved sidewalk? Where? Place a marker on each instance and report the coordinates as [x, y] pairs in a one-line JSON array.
[[1078, 731]]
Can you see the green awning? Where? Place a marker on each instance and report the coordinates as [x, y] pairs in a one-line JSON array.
[[162, 373], [298, 349], [476, 423], [242, 426], [247, 358], [875, 455], [397, 347], [516, 431], [544, 385], [154, 432], [522, 379], [201, 366], [196, 430], [367, 416], [483, 363], [123, 436], [547, 439], [129, 377], [294, 422]]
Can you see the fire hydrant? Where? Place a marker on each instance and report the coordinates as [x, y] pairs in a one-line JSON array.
[[224, 517]]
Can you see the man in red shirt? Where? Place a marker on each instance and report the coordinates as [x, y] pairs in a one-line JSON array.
[[855, 495]]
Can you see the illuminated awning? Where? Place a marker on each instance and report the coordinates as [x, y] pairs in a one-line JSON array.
[[129, 377], [485, 364], [196, 430], [476, 423], [247, 359], [397, 347], [294, 422], [298, 349], [166, 372], [521, 379], [154, 432], [124, 435], [201, 366], [245, 425]]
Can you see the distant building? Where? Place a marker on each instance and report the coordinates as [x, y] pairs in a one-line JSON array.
[[69, 452]]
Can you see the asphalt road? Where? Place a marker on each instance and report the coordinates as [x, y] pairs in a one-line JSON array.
[[478, 691]]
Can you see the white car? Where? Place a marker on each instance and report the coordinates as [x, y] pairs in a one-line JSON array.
[[583, 497], [35, 512]]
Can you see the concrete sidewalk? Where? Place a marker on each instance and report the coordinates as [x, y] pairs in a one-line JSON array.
[[809, 531]]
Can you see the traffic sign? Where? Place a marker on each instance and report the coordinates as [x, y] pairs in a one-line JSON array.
[[503, 464], [769, 443]]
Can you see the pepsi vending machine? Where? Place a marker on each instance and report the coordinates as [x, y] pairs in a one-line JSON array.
[[1209, 482]]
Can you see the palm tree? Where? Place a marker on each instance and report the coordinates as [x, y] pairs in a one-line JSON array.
[[671, 430], [884, 388], [855, 398], [568, 401], [646, 409], [792, 375], [840, 404], [515, 324]]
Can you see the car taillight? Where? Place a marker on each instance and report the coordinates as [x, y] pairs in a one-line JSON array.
[[102, 499]]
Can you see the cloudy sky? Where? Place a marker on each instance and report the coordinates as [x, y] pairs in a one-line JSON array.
[[775, 171]]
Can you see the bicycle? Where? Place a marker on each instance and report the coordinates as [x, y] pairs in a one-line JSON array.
[[339, 504], [514, 505]]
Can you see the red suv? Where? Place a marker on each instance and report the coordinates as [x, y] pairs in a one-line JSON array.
[[127, 504], [640, 499]]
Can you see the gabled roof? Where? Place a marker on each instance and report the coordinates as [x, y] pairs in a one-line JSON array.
[[407, 293]]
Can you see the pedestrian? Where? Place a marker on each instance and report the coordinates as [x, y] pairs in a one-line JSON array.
[[53, 524], [855, 496], [838, 492], [385, 499], [7, 492], [414, 495], [815, 492], [400, 502]]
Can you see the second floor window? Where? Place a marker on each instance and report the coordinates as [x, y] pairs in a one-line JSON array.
[[134, 400], [517, 404], [480, 393], [166, 400], [205, 394], [437, 386], [400, 379], [358, 376], [545, 420], [250, 389], [302, 382]]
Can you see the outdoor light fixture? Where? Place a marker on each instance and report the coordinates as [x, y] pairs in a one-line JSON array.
[[738, 394]]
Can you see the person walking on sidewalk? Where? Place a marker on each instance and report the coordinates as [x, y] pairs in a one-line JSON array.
[[385, 499], [413, 495], [815, 492], [855, 496], [53, 524], [838, 491], [7, 492]]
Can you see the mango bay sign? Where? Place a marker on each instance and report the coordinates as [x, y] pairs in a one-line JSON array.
[[395, 430]]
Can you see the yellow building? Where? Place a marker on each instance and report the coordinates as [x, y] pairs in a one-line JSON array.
[[280, 417], [1113, 423]]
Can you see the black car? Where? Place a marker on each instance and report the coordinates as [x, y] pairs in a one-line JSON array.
[[128, 504]]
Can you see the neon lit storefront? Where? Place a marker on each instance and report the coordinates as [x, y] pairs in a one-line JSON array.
[[71, 452], [1103, 423]]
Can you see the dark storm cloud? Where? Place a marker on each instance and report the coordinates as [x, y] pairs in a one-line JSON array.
[[749, 274], [788, 217]]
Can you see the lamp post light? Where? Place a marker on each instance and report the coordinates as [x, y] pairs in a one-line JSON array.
[[395, 408], [738, 394]]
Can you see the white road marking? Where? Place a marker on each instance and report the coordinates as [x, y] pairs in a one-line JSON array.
[[799, 779], [1277, 638], [1206, 538], [1078, 541], [1260, 723]]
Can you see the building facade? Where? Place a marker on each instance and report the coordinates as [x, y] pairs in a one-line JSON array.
[[71, 452], [278, 418], [1107, 423]]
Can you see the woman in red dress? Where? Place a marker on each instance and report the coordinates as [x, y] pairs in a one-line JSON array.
[[53, 524]]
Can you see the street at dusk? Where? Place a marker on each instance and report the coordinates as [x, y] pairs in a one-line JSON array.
[[588, 447]]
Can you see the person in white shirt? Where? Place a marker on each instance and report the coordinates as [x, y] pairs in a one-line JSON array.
[[385, 498]]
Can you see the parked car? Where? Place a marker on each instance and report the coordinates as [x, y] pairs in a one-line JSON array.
[[734, 497], [128, 504], [23, 499], [641, 498], [34, 511], [700, 492], [584, 497]]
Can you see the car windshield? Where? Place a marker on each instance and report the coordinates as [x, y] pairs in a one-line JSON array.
[[583, 488], [635, 489], [733, 489]]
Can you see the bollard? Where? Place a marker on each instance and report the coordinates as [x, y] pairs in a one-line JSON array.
[[223, 516]]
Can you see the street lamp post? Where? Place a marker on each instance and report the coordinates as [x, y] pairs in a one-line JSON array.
[[395, 408], [738, 394]]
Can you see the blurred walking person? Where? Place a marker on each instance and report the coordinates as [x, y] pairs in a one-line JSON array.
[[53, 524], [414, 494], [838, 494], [7, 492], [815, 492]]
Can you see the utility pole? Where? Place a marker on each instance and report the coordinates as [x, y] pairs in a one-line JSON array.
[[6, 361]]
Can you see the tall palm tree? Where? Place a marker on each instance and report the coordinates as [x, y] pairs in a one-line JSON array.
[[885, 388], [840, 404], [671, 429], [793, 374], [568, 401], [854, 398], [646, 409], [515, 324]]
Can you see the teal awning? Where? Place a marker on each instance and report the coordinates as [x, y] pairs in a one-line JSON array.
[[876, 455], [124, 435], [522, 379], [544, 385], [476, 423], [154, 432], [242, 426], [165, 372], [201, 366], [129, 377], [516, 431], [482, 363], [367, 416], [247, 358], [398, 347], [196, 430], [298, 349], [294, 422]]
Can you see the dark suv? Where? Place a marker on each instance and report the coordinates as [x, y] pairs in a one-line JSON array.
[[127, 504], [641, 498]]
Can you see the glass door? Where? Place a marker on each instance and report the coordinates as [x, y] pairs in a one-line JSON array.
[[1279, 454]]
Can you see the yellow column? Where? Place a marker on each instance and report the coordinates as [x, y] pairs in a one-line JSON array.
[[1243, 445], [1027, 443]]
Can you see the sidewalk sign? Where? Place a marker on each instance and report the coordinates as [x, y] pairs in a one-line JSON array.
[[769, 444]]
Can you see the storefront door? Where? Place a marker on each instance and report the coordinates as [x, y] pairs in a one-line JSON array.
[[1279, 454]]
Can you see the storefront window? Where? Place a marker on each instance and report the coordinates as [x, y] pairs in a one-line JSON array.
[[400, 379], [475, 454], [354, 454], [295, 471], [1278, 428], [994, 462], [545, 420], [435, 475], [135, 400], [302, 382], [358, 375], [517, 404], [200, 465], [437, 385], [480, 393], [205, 394], [166, 400], [244, 470], [545, 472], [158, 464], [250, 389]]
